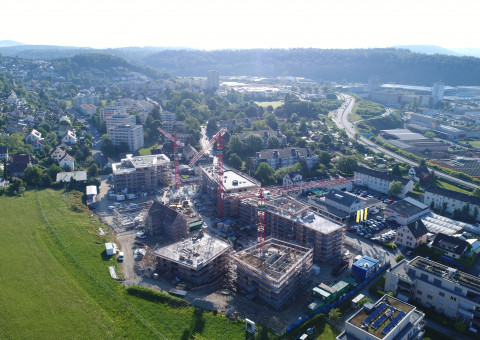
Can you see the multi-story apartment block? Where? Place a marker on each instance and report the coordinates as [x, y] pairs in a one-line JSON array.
[[89, 98], [130, 134], [449, 291], [167, 116], [388, 319], [449, 200], [119, 119], [111, 110], [282, 158], [213, 81], [141, 173], [380, 181]]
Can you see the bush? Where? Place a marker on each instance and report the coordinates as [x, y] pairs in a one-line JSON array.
[[399, 258], [154, 296]]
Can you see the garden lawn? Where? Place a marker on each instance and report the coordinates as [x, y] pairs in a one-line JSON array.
[[445, 185], [274, 104], [55, 282]]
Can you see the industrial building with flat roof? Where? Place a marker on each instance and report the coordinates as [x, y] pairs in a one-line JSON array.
[[141, 173], [449, 291], [388, 319], [406, 211], [289, 219], [274, 271], [199, 259]]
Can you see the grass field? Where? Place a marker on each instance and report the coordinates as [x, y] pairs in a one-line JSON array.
[[55, 283], [274, 104], [145, 151], [474, 143], [441, 184]]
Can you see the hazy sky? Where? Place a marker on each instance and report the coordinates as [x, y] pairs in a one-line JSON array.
[[216, 24]]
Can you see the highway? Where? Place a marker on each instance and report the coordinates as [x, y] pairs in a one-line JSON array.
[[341, 119]]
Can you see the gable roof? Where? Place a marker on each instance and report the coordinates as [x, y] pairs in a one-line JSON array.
[[417, 228], [343, 198], [454, 195], [421, 171], [67, 156], [284, 153], [382, 175], [449, 243]]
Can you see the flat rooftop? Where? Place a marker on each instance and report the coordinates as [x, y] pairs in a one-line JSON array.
[[300, 212], [194, 251], [273, 259], [385, 315], [404, 134], [407, 207], [131, 163], [232, 180], [447, 273]]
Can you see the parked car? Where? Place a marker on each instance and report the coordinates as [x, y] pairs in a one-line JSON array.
[[141, 234]]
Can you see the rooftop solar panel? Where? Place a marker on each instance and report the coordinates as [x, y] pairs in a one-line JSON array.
[[375, 313]]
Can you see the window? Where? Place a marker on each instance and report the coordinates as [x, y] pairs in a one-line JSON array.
[[441, 294], [429, 296], [458, 290], [411, 272], [453, 298], [424, 277], [437, 282], [419, 292]]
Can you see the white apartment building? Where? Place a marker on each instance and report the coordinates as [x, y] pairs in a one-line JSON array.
[[130, 134], [119, 119], [86, 99], [451, 199], [166, 116], [111, 110], [449, 291], [380, 181], [282, 158]]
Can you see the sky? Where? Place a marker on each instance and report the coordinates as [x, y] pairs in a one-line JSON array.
[[221, 24]]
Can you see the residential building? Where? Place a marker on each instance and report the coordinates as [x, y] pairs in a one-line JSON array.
[[388, 319], [344, 202], [188, 152], [293, 179], [17, 165], [412, 235], [88, 98], [141, 173], [58, 154], [110, 111], [282, 158], [12, 98], [449, 291], [63, 129], [420, 174], [167, 116], [67, 161], [167, 222], [119, 119], [199, 260], [33, 136], [213, 81], [130, 134], [264, 134], [69, 138], [3, 152], [38, 144], [364, 267], [449, 200], [172, 126], [380, 181], [453, 247], [79, 176], [405, 211], [88, 109]]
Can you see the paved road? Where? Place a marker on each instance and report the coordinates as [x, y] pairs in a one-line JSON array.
[[342, 122]]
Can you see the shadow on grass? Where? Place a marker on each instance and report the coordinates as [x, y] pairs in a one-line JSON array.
[[198, 325], [106, 257]]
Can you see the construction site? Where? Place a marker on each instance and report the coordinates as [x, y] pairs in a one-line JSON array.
[[273, 271], [199, 259], [289, 219]]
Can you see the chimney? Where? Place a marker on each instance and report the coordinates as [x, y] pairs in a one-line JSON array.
[[293, 152], [275, 154]]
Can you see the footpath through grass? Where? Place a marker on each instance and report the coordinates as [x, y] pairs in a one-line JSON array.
[[55, 282]]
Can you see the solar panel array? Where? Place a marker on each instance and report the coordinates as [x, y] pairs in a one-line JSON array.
[[381, 319], [393, 323], [375, 313]]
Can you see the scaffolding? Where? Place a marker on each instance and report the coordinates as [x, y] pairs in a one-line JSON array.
[[274, 271]]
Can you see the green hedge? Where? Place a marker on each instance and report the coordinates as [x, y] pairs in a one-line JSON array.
[[155, 296]]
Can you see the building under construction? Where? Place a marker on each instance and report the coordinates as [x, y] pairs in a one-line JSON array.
[[200, 260], [234, 183], [273, 271], [136, 174], [166, 221], [289, 219]]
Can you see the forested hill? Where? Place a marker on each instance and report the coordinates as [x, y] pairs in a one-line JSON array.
[[391, 65]]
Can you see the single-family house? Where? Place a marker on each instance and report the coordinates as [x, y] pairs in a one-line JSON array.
[[58, 154], [67, 162], [38, 144], [33, 136], [69, 138], [453, 247], [412, 235], [17, 165], [420, 174]]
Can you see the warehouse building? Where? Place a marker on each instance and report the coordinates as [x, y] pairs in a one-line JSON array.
[[199, 260], [406, 211], [273, 271]]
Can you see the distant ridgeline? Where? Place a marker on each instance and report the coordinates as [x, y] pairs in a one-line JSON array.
[[390, 65]]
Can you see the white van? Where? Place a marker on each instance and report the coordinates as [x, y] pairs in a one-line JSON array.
[[120, 256]]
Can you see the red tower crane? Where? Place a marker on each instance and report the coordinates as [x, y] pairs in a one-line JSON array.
[[218, 137], [176, 157], [261, 207]]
